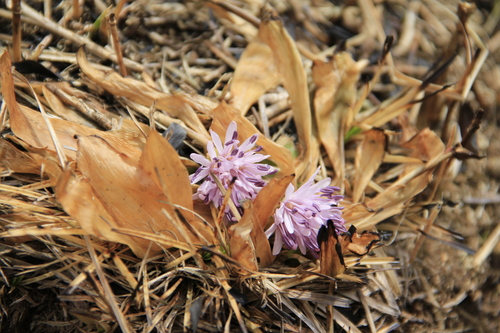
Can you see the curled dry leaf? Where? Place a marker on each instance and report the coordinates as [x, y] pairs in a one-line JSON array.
[[142, 93], [334, 247], [333, 104], [242, 247], [369, 156], [254, 75], [426, 145], [48, 161], [289, 64], [224, 114]]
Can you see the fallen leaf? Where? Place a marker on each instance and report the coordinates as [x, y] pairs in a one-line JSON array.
[[241, 244], [29, 125], [334, 100], [162, 164], [14, 160], [289, 64], [369, 156], [128, 193], [260, 212], [142, 93], [334, 247], [330, 255], [77, 197], [254, 75]]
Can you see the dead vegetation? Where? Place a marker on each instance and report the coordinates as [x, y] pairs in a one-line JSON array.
[[98, 228]]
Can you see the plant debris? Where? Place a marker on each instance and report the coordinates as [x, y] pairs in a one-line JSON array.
[[107, 110]]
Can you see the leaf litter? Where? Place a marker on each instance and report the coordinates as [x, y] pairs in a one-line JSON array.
[[97, 208]]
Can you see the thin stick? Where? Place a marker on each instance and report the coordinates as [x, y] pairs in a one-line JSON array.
[[116, 43], [119, 7], [244, 14], [3, 116], [422, 237], [124, 325], [487, 247], [76, 10], [368, 313], [47, 8], [83, 108], [42, 46], [330, 317], [31, 16], [16, 31], [473, 127], [228, 59]]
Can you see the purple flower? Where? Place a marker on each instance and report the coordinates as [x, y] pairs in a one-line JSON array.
[[228, 162], [303, 212]]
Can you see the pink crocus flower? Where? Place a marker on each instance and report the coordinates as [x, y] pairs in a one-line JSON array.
[[302, 213], [230, 161]]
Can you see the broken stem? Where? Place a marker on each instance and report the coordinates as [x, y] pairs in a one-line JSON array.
[[76, 10], [16, 31], [116, 44]]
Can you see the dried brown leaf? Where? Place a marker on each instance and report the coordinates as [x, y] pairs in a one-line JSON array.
[[426, 145], [14, 160], [77, 197], [142, 93], [162, 164], [126, 192], [331, 254], [369, 156], [334, 247], [254, 75], [333, 104], [289, 64], [250, 229], [29, 125], [62, 110], [241, 244]]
